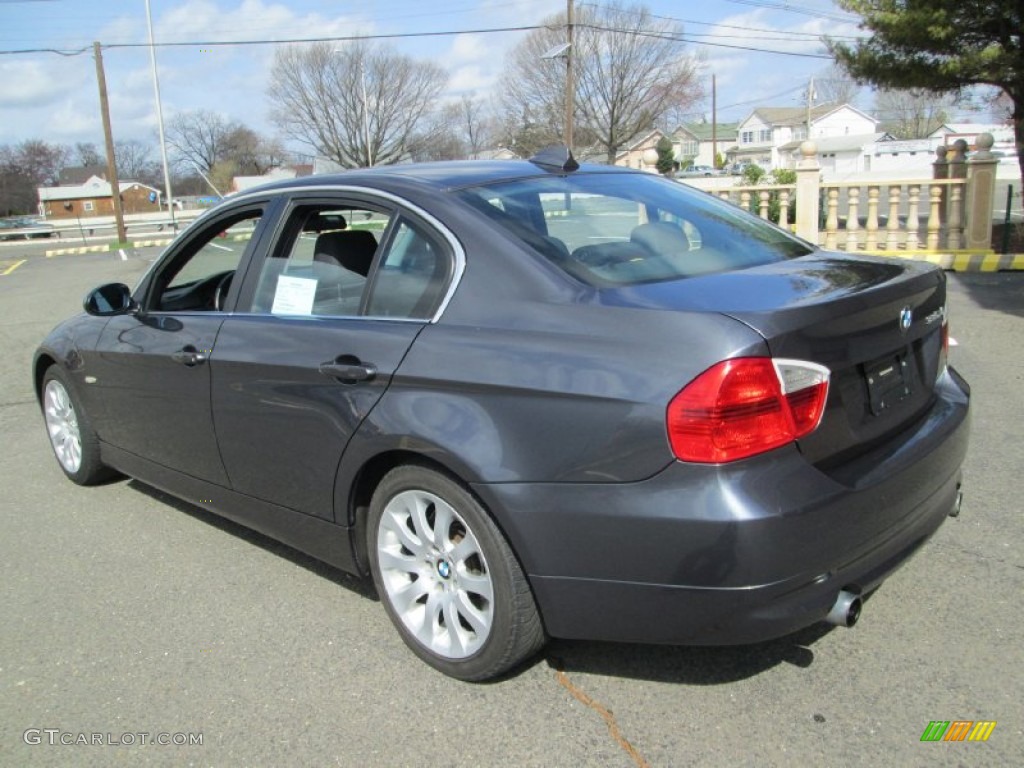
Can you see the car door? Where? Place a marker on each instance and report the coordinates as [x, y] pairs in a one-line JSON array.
[[333, 307], [150, 368]]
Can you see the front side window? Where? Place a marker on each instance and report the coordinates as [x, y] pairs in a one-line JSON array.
[[610, 229], [200, 275]]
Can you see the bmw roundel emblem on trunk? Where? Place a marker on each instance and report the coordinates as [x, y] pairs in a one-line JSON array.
[[906, 318]]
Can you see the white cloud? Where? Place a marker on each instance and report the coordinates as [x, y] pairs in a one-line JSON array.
[[471, 79], [468, 48], [38, 82]]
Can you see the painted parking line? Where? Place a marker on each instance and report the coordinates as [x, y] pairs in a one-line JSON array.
[[6, 267]]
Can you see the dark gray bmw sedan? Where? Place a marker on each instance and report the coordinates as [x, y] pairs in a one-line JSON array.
[[532, 400]]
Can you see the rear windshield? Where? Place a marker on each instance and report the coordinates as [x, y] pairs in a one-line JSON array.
[[623, 229]]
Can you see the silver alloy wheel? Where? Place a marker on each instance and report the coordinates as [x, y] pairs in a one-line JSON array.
[[62, 425], [435, 574]]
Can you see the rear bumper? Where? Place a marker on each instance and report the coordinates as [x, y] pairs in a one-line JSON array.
[[737, 553]]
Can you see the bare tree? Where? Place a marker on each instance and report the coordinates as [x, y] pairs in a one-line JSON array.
[[360, 105], [135, 162], [25, 167], [441, 136], [86, 154], [912, 113], [835, 86], [476, 127], [198, 137], [630, 70], [251, 153]]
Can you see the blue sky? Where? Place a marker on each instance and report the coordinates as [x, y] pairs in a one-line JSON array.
[[54, 97]]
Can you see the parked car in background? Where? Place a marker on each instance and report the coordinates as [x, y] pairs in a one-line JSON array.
[[530, 400], [35, 228], [7, 227], [698, 170], [25, 228], [737, 169]]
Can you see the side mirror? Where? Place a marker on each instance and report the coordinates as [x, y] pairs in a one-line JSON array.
[[110, 299]]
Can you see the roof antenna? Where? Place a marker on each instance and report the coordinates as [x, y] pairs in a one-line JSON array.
[[555, 158]]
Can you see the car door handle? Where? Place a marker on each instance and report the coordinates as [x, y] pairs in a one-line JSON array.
[[348, 369], [189, 355]]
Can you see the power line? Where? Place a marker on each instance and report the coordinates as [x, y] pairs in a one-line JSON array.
[[794, 36], [338, 39], [684, 39], [663, 35], [794, 9]]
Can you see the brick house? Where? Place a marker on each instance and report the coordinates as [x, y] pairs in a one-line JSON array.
[[93, 198]]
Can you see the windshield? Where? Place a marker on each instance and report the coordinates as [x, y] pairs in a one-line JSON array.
[[611, 229]]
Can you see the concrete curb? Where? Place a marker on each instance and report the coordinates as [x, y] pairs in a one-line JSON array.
[[108, 247], [80, 249], [982, 261]]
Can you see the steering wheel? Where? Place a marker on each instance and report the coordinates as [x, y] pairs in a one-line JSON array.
[[220, 293]]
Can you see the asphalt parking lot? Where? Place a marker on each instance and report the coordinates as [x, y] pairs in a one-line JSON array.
[[126, 613]]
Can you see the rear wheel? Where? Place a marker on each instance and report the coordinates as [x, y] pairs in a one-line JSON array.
[[71, 435], [447, 577]]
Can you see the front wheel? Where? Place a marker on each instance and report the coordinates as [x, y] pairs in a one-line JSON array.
[[447, 578], [72, 438]]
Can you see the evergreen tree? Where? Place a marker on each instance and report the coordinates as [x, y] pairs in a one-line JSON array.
[[666, 157], [941, 46]]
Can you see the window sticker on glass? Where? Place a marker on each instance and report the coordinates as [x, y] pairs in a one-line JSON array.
[[294, 296]]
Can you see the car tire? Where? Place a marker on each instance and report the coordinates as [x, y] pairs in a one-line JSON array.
[[72, 438], [448, 580]]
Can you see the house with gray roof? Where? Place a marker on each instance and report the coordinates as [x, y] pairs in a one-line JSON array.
[[767, 129]]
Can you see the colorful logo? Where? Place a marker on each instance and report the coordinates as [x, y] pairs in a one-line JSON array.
[[958, 730]]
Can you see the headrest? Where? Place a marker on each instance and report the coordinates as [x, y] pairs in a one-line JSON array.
[[661, 237], [352, 249]]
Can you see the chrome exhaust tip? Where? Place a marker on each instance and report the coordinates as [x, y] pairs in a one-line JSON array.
[[955, 511], [846, 610]]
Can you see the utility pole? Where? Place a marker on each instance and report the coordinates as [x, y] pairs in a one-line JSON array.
[[570, 88], [810, 100], [115, 187], [714, 123]]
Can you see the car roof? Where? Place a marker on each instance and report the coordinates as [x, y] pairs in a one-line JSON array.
[[448, 175]]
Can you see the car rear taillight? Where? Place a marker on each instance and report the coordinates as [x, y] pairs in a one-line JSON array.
[[745, 406]]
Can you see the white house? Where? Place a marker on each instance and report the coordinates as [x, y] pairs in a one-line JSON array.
[[766, 130], [950, 132], [700, 141], [839, 156]]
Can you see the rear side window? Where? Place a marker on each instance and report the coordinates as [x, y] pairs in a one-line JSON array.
[[623, 229], [350, 261], [412, 276], [322, 263]]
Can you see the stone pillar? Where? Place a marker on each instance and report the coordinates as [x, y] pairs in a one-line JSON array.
[[953, 211], [940, 171], [807, 212], [981, 193]]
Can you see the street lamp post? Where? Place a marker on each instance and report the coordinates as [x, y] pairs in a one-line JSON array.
[[160, 118]]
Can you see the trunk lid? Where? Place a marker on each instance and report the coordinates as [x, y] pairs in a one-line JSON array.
[[875, 323]]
